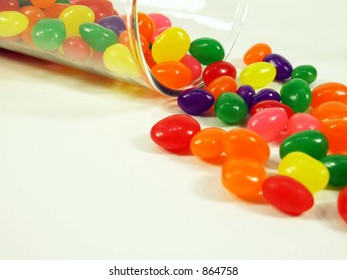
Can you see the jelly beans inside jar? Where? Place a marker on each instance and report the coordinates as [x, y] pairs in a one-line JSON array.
[[160, 45]]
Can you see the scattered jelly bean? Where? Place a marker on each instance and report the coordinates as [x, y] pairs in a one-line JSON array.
[[300, 122], [174, 133], [49, 34], [330, 110], [256, 53], [342, 204], [306, 72], [12, 23], [283, 67], [243, 177], [42, 3], [310, 142], [246, 92], [172, 74], [75, 48], [221, 85], [287, 195], [194, 66], [337, 166], [230, 108], [266, 94], [208, 143], [244, 143], [271, 104], [55, 10], [218, 69], [160, 20], [33, 14], [114, 23], [9, 5], [258, 74], [207, 50], [195, 101], [296, 94], [312, 173], [146, 25], [329, 92], [171, 45], [336, 133], [268, 123]]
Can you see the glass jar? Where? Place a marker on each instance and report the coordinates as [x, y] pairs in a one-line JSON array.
[[115, 38]]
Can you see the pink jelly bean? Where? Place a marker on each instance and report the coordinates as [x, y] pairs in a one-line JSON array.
[[160, 20], [301, 121], [193, 64], [268, 123], [157, 33]]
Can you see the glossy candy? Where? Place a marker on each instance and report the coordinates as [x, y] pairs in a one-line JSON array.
[[246, 92], [256, 53], [75, 48], [266, 94], [207, 50], [160, 20], [100, 8], [310, 142], [12, 23], [244, 143], [330, 110], [271, 104], [114, 23], [48, 34], [146, 25], [218, 69], [337, 166], [283, 66], [287, 195], [194, 66], [195, 101], [329, 92], [342, 204], [258, 74], [55, 10], [268, 123], [221, 85], [301, 121], [9, 5], [231, 108], [174, 133], [336, 132], [306, 72], [296, 94], [42, 3], [33, 14], [310, 172]]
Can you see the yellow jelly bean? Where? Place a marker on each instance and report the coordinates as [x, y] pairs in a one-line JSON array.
[[171, 45], [118, 59], [258, 74], [12, 23], [74, 16], [312, 173]]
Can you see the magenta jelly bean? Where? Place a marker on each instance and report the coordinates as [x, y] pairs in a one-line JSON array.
[[195, 101], [287, 195], [268, 123], [283, 66], [266, 94], [115, 23], [160, 20], [194, 66], [301, 121], [272, 104], [247, 92], [157, 33], [218, 69]]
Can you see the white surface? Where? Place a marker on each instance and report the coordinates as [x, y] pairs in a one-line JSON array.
[[81, 179]]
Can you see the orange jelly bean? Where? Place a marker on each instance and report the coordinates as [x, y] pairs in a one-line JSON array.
[[256, 53], [146, 26], [34, 14], [329, 92], [336, 133], [330, 110], [222, 84], [55, 10], [42, 3]]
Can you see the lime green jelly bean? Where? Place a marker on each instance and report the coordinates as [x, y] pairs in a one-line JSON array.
[[207, 50], [337, 166], [12, 23], [258, 74], [306, 72], [310, 172], [49, 34]]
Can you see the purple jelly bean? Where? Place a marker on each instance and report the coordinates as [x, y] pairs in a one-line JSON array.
[[115, 23], [283, 67], [266, 94], [195, 101], [246, 92]]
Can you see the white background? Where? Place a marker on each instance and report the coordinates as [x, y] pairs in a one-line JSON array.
[[81, 179]]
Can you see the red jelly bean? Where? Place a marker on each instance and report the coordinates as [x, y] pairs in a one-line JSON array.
[[256, 53], [342, 204], [9, 5], [175, 132], [287, 195], [218, 69], [194, 66], [329, 92], [271, 104]]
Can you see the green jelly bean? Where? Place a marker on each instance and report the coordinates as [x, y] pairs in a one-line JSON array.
[[48, 34], [231, 108], [207, 50], [310, 142], [98, 37], [337, 166], [306, 72], [297, 94]]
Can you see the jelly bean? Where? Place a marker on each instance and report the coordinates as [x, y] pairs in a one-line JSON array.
[[150, 60], [63, 1], [336, 133], [300, 122], [244, 143], [283, 66], [12, 23], [98, 37], [194, 66], [117, 58], [160, 20], [258, 74], [55, 10], [208, 143], [306, 72], [75, 48], [329, 92], [287, 195], [207, 50], [310, 172], [48, 34], [220, 85], [272, 104], [33, 14], [268, 123], [174, 133], [296, 94], [26, 36], [124, 39], [74, 16], [114, 23], [144, 44], [243, 177], [342, 204], [100, 8], [266, 94], [218, 69], [146, 25], [256, 53], [9, 5], [172, 74], [171, 45], [246, 92], [230, 108], [157, 33], [311, 142], [195, 101], [330, 110], [337, 166], [42, 3]]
